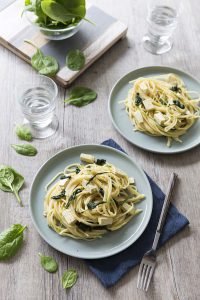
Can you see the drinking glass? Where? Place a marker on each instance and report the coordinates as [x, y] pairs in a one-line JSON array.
[[37, 102], [162, 20]]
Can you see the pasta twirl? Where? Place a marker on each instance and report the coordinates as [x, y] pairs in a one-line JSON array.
[[91, 199], [162, 106]]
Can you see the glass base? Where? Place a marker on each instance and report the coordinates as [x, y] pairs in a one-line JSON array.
[[42, 133], [156, 48]]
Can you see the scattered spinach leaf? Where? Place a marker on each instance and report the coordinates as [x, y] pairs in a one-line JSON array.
[[69, 278], [138, 100], [48, 263], [83, 227], [11, 181], [25, 149], [100, 162], [11, 240], [75, 60], [23, 133], [59, 196], [81, 96], [45, 65]]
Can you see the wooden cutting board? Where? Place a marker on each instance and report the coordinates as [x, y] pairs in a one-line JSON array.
[[93, 40]]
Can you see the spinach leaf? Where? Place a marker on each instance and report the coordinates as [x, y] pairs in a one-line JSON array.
[[176, 89], [92, 205], [65, 177], [25, 149], [101, 191], [100, 162], [73, 196], [64, 10], [45, 65], [81, 96], [179, 104], [138, 100], [75, 60], [59, 196], [23, 133], [11, 240], [11, 181], [48, 263], [69, 278]]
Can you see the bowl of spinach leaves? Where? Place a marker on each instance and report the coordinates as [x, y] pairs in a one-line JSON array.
[[56, 19]]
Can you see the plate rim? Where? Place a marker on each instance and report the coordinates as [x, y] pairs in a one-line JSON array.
[[78, 255], [121, 132]]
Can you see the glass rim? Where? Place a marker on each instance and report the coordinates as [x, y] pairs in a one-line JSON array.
[[26, 86]]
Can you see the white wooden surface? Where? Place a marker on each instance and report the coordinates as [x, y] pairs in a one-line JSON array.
[[177, 275]]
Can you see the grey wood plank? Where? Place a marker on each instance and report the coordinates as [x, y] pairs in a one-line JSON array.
[[177, 275]]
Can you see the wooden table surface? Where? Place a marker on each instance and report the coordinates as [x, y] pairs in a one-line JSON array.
[[177, 275]]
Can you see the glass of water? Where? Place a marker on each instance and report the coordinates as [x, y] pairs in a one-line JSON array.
[[37, 103], [162, 20]]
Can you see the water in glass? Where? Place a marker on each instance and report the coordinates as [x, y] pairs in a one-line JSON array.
[[162, 21]]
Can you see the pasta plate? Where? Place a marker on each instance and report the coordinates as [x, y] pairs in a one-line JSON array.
[[122, 123], [112, 242]]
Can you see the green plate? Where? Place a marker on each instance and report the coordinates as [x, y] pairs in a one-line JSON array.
[[112, 242], [122, 123]]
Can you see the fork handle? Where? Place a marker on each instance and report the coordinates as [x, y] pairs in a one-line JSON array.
[[165, 207]]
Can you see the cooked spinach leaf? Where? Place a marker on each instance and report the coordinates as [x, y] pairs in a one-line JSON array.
[[138, 100], [176, 89], [101, 191], [48, 263], [45, 65], [179, 104], [75, 60], [100, 162], [11, 181], [59, 196], [11, 240], [95, 176], [92, 205], [25, 149], [65, 177], [73, 196]]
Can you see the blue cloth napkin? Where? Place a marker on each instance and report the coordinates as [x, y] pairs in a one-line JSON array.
[[110, 270]]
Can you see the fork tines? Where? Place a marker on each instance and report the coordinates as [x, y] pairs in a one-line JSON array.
[[145, 274]]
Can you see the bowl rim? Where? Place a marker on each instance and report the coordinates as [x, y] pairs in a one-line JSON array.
[[28, 13]]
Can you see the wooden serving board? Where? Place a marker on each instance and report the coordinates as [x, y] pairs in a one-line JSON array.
[[93, 40]]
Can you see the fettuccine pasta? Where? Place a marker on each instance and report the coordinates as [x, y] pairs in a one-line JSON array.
[[90, 199], [162, 106]]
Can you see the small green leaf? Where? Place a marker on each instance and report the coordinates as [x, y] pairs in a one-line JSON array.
[[81, 96], [25, 149], [69, 278], [48, 263], [11, 240], [45, 65], [75, 60], [11, 181], [23, 133]]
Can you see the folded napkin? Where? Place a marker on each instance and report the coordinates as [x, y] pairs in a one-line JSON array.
[[109, 270]]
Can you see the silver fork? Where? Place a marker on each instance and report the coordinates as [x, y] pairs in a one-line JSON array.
[[148, 263]]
